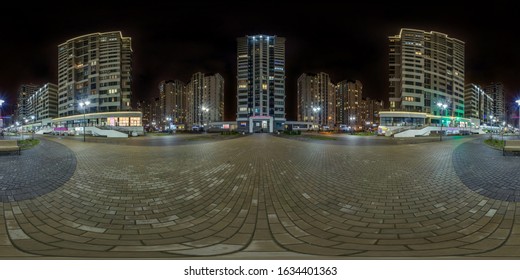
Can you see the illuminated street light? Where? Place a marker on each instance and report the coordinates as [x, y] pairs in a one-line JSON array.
[[205, 110], [21, 131], [442, 106], [84, 104], [518, 103], [352, 119], [315, 110], [1, 120]]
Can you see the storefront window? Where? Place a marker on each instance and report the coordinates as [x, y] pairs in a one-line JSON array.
[[123, 122], [135, 121]]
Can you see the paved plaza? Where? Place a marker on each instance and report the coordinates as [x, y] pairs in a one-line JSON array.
[[260, 197]]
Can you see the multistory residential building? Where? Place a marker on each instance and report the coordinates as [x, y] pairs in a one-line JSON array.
[[205, 99], [348, 101], [260, 83], [174, 102], [24, 92], [316, 99], [497, 93], [96, 67], [369, 113], [43, 103], [145, 108], [478, 105], [156, 116], [426, 68]]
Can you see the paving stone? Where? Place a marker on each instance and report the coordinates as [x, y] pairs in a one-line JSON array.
[[282, 197]]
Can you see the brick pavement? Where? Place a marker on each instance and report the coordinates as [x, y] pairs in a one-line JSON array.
[[266, 197]]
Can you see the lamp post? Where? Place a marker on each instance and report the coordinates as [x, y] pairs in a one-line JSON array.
[[84, 104], [518, 103], [205, 110], [352, 119], [32, 130], [316, 110], [169, 121], [442, 106], [1, 119], [21, 128]]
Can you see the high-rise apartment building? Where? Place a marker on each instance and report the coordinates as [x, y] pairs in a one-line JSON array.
[[260, 83], [497, 93], [316, 99], [478, 105], [43, 103], [426, 68], [348, 103], [174, 102], [95, 67], [24, 92], [369, 113], [205, 99]]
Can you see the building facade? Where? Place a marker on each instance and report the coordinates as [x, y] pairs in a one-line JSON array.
[[497, 93], [316, 99], [478, 105], [260, 83], [43, 103], [426, 68], [174, 102], [349, 99], [24, 92], [96, 67], [205, 99], [369, 113]]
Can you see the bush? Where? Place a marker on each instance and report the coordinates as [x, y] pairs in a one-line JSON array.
[[494, 143], [229, 132], [28, 143], [292, 132]]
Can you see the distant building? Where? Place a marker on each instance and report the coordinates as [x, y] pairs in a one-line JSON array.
[[43, 103], [260, 83], [96, 67], [478, 105], [349, 103], [205, 99], [369, 113], [426, 68], [146, 109], [174, 102], [156, 116], [497, 93], [24, 92], [315, 97]]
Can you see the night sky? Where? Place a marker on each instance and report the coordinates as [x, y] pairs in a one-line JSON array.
[[173, 40]]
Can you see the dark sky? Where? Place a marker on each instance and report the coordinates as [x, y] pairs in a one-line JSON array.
[[173, 40]]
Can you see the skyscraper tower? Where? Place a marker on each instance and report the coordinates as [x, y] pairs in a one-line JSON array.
[[497, 93], [174, 105], [205, 99], [316, 99], [349, 99], [24, 92], [426, 68], [95, 67], [260, 83]]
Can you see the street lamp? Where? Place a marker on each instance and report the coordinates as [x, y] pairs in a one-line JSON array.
[[205, 110], [442, 106], [21, 129], [352, 119], [169, 120], [518, 103], [84, 104], [32, 130], [316, 111], [1, 119]]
